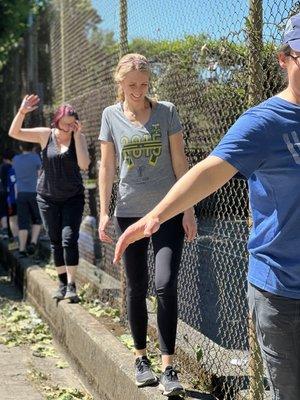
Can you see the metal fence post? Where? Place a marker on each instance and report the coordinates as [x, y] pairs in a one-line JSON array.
[[62, 35], [123, 50], [255, 47], [123, 28]]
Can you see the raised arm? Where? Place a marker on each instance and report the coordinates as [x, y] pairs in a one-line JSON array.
[[199, 182], [34, 135], [82, 153], [106, 179]]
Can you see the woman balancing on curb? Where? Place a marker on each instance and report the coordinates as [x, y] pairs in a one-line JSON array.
[[263, 145], [60, 192], [146, 137]]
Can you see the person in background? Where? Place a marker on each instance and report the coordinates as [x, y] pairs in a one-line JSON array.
[[60, 192], [9, 182], [27, 166], [3, 203]]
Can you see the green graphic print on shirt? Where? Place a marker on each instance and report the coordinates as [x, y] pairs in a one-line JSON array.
[[147, 145]]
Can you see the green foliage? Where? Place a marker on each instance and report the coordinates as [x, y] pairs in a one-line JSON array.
[[153, 356], [198, 350], [13, 23], [199, 353], [22, 326], [96, 308], [208, 81], [62, 364], [127, 340], [55, 392], [58, 393]]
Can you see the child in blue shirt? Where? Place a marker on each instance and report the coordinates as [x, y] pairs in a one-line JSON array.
[[9, 184]]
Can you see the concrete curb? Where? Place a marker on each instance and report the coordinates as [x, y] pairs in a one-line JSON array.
[[102, 360], [104, 363]]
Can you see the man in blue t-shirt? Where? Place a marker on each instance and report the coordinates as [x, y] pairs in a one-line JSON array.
[[263, 145], [27, 166]]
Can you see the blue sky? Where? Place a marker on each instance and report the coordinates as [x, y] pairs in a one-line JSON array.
[[170, 19]]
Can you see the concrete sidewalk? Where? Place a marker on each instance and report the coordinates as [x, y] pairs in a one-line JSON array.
[[21, 370]]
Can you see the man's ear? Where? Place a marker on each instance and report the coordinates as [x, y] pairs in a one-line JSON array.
[[282, 59]]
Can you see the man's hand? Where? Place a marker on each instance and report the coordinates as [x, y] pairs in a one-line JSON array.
[[145, 227]]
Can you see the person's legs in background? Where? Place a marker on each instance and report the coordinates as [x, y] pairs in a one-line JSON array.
[[23, 215], [13, 227], [50, 212], [3, 216], [36, 223], [72, 211]]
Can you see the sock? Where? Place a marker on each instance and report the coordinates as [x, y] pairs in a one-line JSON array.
[[63, 279]]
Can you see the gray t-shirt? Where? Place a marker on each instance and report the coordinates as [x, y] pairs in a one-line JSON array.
[[146, 171]]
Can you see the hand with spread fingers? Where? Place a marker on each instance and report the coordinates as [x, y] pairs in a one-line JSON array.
[[145, 227], [29, 103]]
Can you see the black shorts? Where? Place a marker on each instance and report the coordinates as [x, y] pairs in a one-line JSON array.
[[28, 211], [3, 204]]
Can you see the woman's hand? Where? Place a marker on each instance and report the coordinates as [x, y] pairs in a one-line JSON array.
[[189, 224], [103, 236], [77, 128], [29, 103]]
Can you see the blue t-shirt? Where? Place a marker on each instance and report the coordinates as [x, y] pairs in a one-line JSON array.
[[26, 166], [11, 181], [264, 145]]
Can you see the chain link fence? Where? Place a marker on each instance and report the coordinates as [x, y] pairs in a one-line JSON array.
[[212, 60]]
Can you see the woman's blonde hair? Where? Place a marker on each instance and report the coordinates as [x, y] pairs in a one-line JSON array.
[[129, 62]]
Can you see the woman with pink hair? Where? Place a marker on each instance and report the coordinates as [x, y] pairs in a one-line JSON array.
[[60, 192]]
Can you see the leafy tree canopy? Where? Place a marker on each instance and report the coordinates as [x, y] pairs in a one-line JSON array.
[[13, 23]]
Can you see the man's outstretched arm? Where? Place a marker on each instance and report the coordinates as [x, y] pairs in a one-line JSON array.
[[199, 182]]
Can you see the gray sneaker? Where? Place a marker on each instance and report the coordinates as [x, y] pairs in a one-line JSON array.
[[60, 293], [144, 376], [71, 293], [169, 383]]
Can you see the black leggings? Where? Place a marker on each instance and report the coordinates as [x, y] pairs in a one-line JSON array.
[[167, 246], [62, 220]]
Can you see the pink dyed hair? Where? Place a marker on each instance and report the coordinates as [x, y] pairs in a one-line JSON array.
[[62, 111]]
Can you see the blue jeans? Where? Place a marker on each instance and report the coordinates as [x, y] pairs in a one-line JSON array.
[[277, 322]]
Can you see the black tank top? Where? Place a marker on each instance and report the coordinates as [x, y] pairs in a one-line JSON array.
[[60, 176]]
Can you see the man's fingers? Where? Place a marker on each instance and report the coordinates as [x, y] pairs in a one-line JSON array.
[[119, 251]]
